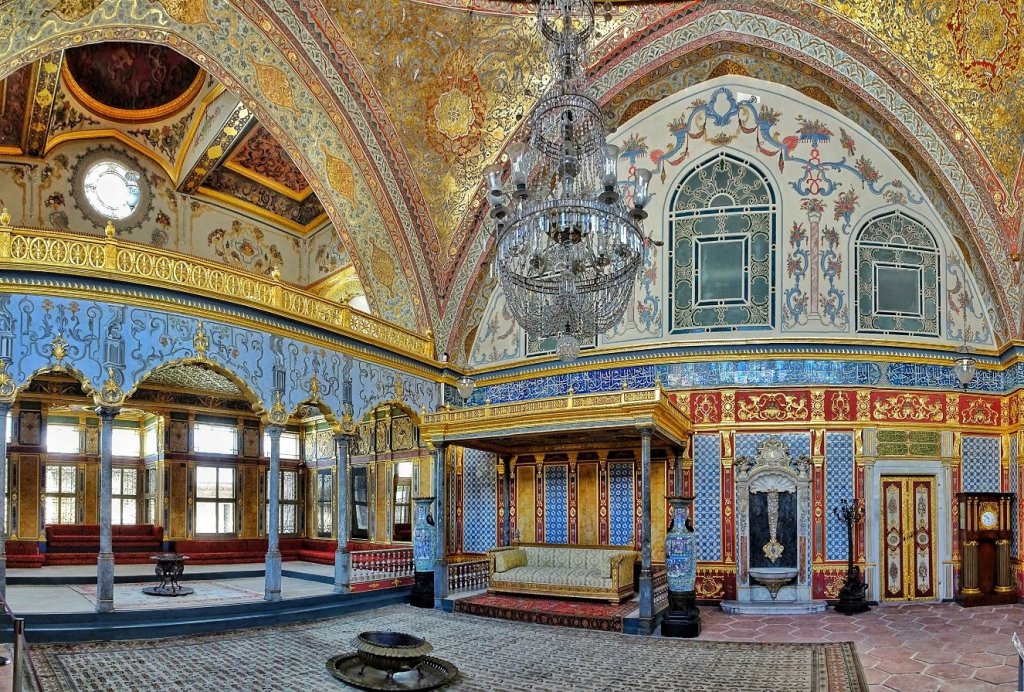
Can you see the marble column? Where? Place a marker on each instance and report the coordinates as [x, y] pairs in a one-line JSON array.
[[272, 571], [441, 526], [105, 560], [646, 624], [5, 408], [342, 558], [506, 498]]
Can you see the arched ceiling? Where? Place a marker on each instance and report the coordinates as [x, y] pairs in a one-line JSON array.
[[390, 111]]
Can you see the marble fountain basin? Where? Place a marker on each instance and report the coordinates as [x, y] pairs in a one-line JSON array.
[[773, 578]]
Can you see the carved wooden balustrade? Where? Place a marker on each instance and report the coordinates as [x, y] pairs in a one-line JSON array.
[[378, 565], [470, 575]]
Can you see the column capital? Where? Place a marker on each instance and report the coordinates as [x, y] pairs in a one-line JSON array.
[[107, 412], [343, 436], [273, 430]]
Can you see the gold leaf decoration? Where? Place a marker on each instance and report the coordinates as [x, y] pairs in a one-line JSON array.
[[7, 387], [199, 342], [278, 414], [383, 268], [111, 392], [186, 11], [275, 86], [74, 10], [907, 407], [339, 175]]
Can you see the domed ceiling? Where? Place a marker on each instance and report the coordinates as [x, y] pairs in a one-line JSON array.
[[136, 81], [396, 107]]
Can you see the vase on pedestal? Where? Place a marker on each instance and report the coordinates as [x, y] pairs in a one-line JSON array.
[[424, 542], [682, 618]]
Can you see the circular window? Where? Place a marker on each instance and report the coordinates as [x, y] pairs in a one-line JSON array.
[[109, 185], [112, 190]]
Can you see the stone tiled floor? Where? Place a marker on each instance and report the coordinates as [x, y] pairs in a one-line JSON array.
[[907, 648]]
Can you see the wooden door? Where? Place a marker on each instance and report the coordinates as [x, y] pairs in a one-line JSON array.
[[908, 540]]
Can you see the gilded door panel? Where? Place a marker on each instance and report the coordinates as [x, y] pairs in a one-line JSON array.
[[908, 538]]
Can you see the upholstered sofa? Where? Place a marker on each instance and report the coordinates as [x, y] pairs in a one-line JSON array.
[[600, 572]]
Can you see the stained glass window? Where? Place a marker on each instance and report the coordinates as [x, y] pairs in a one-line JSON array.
[[324, 505], [124, 495], [897, 277], [722, 219]]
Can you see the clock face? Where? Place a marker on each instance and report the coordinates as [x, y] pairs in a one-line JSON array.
[[988, 518]]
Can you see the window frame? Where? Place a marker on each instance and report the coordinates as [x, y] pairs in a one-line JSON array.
[[199, 426], [217, 501], [324, 506], [118, 498], [60, 495]]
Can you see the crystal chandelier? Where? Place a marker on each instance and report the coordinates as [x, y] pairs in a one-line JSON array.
[[567, 247]]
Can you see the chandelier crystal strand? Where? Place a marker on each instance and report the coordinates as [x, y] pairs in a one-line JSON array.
[[567, 248]]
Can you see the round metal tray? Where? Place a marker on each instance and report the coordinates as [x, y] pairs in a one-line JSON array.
[[432, 672]]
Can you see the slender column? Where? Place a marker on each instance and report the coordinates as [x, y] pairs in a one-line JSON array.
[[5, 408], [441, 527], [506, 498], [677, 485], [646, 584], [272, 571], [105, 560], [342, 558]]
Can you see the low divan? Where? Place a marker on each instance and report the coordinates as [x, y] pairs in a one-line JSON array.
[[600, 572]]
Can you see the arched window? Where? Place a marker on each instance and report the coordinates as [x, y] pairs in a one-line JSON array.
[[722, 219], [897, 277]]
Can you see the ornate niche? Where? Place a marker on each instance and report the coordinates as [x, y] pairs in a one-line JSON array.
[[773, 531]]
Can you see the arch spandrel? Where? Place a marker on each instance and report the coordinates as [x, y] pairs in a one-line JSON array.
[[247, 58]]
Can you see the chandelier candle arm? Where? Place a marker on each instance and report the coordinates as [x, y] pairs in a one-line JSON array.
[[568, 248]]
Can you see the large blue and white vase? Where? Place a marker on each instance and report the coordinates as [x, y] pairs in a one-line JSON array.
[[680, 548], [424, 535]]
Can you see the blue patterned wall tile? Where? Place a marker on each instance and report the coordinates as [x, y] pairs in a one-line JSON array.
[[838, 486], [707, 479], [799, 444], [556, 504], [479, 501], [980, 465], [621, 510]]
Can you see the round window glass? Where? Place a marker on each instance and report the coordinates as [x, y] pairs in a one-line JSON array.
[[112, 189]]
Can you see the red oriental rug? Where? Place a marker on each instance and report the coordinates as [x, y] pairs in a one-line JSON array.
[[566, 612]]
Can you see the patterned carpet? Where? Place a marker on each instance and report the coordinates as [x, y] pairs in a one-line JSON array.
[[490, 655], [207, 593], [565, 612]]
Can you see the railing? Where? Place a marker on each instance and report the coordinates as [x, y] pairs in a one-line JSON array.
[[659, 582], [377, 565], [467, 576], [23, 671], [33, 249]]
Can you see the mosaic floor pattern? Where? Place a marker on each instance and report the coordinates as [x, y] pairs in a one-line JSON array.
[[491, 655]]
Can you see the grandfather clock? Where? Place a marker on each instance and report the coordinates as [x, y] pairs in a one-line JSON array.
[[986, 577]]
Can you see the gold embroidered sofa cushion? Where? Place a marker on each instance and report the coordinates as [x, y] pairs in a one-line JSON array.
[[563, 570]]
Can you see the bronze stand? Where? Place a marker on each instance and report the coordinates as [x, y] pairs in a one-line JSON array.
[[851, 596], [422, 595]]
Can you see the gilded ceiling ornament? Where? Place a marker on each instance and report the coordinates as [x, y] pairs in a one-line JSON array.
[[199, 342], [348, 425], [275, 86], [383, 268], [186, 11], [399, 388], [339, 175], [111, 393], [72, 11], [314, 388], [5, 218]]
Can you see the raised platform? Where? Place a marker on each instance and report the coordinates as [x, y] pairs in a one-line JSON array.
[[773, 607]]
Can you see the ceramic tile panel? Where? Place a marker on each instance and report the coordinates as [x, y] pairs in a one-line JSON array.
[[621, 491], [980, 466], [556, 504], [799, 444], [838, 485], [479, 501], [707, 477], [1015, 489]]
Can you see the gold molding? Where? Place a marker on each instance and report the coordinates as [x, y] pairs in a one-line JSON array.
[[131, 115], [144, 151], [256, 210], [54, 252], [193, 128]]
